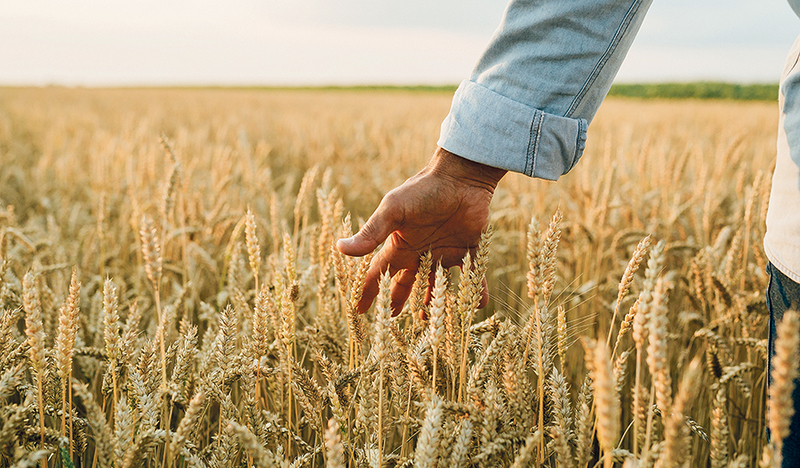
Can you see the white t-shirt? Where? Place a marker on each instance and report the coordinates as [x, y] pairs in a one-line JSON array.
[[782, 241]]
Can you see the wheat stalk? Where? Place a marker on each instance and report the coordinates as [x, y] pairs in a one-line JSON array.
[[151, 251], [111, 332], [35, 333], [383, 340], [606, 402], [625, 284], [333, 444], [64, 348], [437, 315], [253, 249], [784, 373], [676, 443], [719, 430], [427, 451], [185, 427]]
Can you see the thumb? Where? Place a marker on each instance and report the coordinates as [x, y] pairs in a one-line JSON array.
[[383, 222]]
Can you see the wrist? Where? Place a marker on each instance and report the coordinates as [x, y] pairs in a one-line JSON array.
[[454, 166]]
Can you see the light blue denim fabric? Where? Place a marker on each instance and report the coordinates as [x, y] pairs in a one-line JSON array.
[[795, 4], [790, 89], [527, 105]]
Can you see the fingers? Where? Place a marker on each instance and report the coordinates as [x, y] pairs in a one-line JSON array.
[[484, 294], [383, 222], [370, 290], [403, 283], [431, 284], [379, 265], [391, 259], [423, 315]]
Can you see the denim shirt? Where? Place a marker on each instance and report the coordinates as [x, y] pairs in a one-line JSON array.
[[537, 86], [539, 83]]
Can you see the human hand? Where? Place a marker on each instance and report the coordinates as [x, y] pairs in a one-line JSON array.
[[443, 208]]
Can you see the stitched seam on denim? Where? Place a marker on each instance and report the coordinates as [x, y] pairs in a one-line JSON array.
[[621, 30], [528, 155], [581, 131], [536, 132]]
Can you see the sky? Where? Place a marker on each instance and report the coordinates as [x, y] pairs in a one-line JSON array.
[[348, 42]]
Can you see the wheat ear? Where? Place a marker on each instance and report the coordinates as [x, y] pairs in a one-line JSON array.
[[657, 350], [261, 458], [437, 327], [428, 444], [64, 348], [561, 317], [625, 283], [151, 251], [525, 454], [383, 342], [111, 332], [676, 446], [35, 333], [333, 445], [719, 430], [606, 402], [253, 249], [784, 372], [196, 406], [639, 330]]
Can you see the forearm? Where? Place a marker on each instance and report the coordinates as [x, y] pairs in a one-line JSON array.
[[449, 165], [527, 105]]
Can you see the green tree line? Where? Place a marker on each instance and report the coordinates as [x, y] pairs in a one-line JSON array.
[[698, 90], [693, 90]]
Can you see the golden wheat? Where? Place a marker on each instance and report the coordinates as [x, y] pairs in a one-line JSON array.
[[194, 343]]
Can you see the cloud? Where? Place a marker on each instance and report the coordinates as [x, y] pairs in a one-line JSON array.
[[276, 54], [94, 42]]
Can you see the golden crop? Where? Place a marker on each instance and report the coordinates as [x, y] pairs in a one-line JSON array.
[[169, 294]]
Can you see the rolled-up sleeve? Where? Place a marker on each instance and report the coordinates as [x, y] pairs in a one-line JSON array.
[[527, 106]]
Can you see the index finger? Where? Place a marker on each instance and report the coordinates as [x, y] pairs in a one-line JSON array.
[[392, 258]]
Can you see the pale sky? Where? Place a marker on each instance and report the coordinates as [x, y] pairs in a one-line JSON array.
[[308, 42]]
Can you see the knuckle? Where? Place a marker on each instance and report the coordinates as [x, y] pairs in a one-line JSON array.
[[369, 230], [391, 201]]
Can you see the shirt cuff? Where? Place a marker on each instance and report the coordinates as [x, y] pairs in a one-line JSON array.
[[489, 128]]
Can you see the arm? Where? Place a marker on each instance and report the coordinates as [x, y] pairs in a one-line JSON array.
[[525, 108], [539, 84]]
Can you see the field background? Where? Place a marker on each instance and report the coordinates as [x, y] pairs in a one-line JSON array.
[[79, 168]]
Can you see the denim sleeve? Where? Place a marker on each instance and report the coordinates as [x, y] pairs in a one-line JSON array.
[[528, 103]]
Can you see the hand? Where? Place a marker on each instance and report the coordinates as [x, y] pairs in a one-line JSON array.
[[443, 208]]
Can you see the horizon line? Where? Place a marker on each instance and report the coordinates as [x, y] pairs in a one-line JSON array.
[[361, 86]]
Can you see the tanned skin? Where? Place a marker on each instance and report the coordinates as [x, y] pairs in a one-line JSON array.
[[443, 208]]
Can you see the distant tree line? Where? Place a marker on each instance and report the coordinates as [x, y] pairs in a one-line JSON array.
[[698, 90], [695, 90]]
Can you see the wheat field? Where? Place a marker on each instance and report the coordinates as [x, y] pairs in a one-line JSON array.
[[170, 295]]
